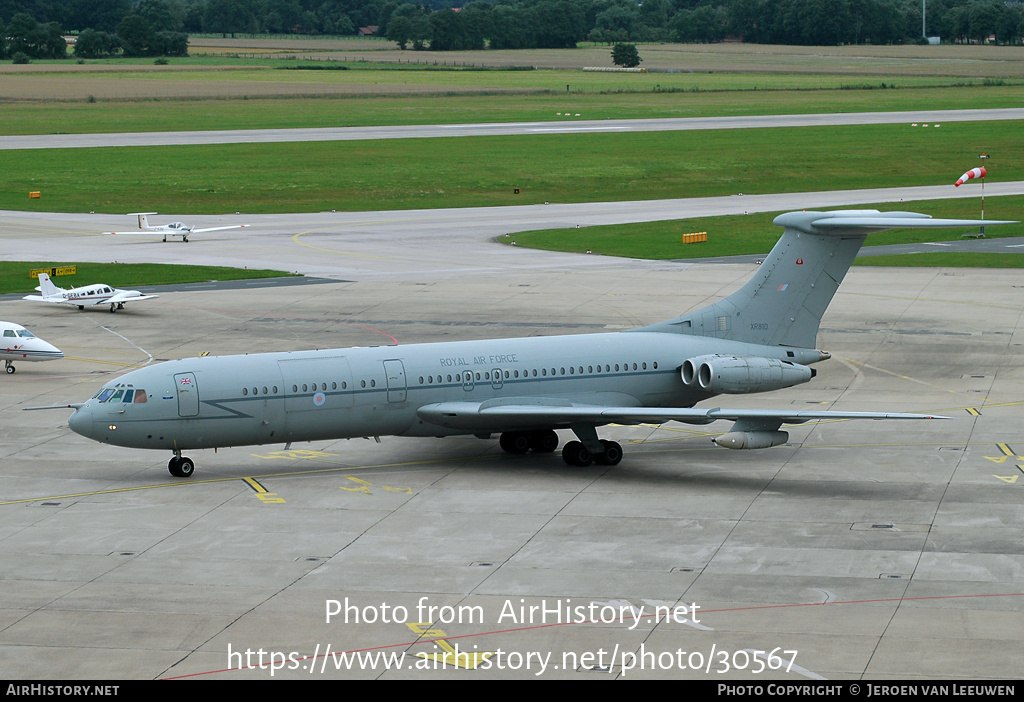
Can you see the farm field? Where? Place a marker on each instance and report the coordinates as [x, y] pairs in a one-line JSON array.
[[242, 83]]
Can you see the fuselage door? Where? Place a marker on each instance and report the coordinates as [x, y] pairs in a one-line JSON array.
[[188, 394], [395, 373]]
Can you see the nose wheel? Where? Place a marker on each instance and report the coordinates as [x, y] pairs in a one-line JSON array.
[[181, 466], [9, 367]]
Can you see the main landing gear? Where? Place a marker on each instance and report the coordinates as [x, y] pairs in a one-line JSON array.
[[581, 453], [181, 466], [114, 306], [523, 441], [575, 453]]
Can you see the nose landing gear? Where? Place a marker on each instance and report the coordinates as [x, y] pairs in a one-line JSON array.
[[181, 466]]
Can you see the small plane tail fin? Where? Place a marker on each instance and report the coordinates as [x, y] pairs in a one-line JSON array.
[[46, 286], [782, 305], [143, 221]]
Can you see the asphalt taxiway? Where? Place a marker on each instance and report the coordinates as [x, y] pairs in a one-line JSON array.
[[857, 550]]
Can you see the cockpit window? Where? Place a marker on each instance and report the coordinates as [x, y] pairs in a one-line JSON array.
[[26, 334], [121, 394]]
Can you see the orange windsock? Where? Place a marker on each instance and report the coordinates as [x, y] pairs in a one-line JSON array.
[[973, 173]]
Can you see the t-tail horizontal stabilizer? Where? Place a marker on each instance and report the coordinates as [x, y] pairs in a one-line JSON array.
[[782, 305]]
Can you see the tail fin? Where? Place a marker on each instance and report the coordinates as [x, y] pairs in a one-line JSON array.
[[143, 222], [783, 303], [46, 286]]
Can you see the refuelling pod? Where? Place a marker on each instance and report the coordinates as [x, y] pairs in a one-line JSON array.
[[751, 439], [742, 374]]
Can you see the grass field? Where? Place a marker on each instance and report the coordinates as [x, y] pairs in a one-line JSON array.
[[945, 260], [268, 112], [14, 275], [200, 92], [755, 234], [484, 171]]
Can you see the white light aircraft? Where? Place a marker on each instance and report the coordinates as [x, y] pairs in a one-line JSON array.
[[759, 338], [19, 344], [173, 229], [88, 295]]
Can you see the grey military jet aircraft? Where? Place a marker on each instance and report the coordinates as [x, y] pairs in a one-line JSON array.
[[759, 338]]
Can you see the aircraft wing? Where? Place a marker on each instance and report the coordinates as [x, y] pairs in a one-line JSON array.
[[508, 415], [156, 231], [125, 296], [62, 300], [217, 229]]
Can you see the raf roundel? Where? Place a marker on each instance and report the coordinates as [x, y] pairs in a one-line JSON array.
[[319, 399]]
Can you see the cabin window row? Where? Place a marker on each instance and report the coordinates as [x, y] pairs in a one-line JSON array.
[[301, 387], [536, 372]]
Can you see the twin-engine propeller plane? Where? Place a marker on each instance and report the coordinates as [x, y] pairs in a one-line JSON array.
[[759, 338], [173, 229], [19, 344], [87, 295]]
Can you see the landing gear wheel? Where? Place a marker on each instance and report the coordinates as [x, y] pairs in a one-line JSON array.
[[9, 367], [516, 442], [181, 467], [543, 441], [612, 453], [576, 454]]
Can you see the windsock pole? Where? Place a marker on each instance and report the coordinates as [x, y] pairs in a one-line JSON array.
[[983, 156]]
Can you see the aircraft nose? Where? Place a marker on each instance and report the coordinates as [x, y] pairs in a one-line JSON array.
[[53, 351], [81, 421]]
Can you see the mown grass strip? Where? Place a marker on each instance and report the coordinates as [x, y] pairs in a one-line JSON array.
[[945, 260], [754, 234], [485, 171], [165, 108], [14, 275]]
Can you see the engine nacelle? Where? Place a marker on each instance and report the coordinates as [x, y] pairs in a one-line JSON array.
[[752, 439], [742, 374]]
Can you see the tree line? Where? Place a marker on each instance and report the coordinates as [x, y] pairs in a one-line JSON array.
[[157, 27]]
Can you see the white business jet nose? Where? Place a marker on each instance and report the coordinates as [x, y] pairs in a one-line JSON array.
[[50, 350]]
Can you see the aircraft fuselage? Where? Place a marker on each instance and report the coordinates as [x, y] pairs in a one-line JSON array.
[[354, 392]]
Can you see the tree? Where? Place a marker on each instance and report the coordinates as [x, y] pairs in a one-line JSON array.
[[92, 44], [227, 17], [626, 55], [137, 36], [35, 40], [400, 31]]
